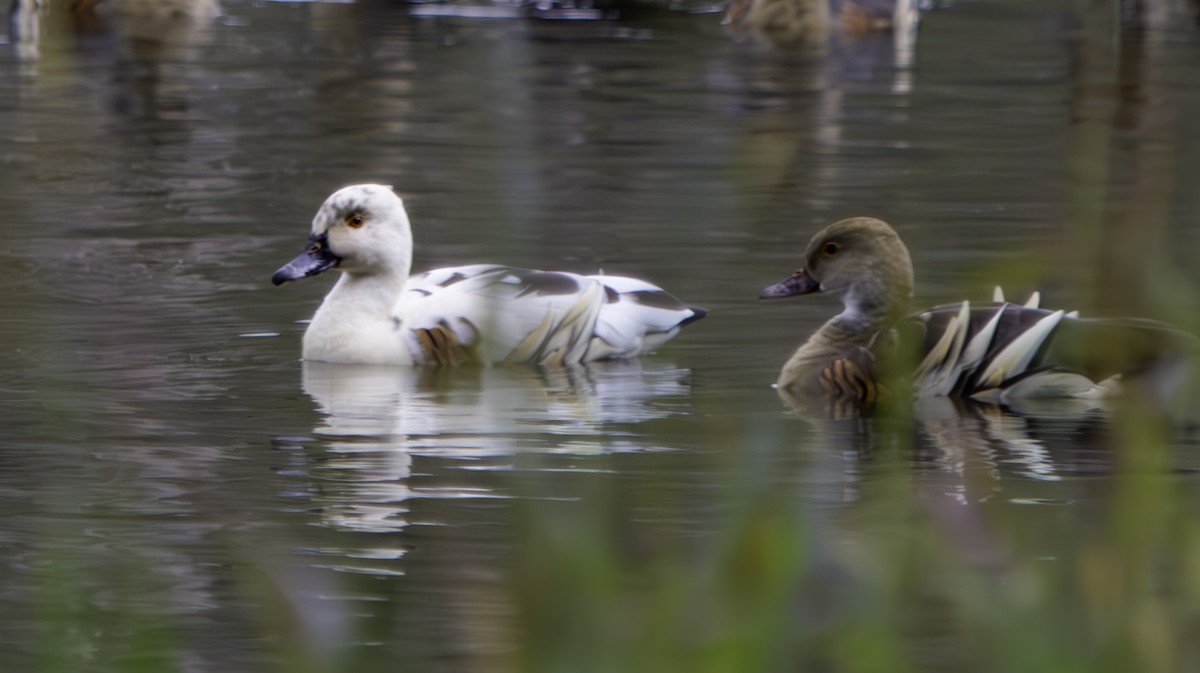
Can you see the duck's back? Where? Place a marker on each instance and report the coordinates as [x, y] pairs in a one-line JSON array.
[[1002, 351], [492, 313]]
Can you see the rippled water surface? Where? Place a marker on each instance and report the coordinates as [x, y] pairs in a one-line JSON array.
[[180, 492]]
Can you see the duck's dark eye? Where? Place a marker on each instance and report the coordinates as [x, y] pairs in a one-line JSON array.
[[356, 220], [830, 249]]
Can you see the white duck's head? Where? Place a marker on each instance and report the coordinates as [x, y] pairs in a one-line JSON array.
[[362, 230], [860, 260]]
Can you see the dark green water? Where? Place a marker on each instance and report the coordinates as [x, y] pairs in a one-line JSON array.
[[180, 493]]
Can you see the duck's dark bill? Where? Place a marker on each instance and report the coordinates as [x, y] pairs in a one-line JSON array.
[[797, 283], [314, 260]]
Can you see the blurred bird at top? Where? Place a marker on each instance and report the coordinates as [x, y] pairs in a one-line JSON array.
[[809, 25]]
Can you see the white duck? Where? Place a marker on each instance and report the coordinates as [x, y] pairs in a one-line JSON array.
[[486, 313]]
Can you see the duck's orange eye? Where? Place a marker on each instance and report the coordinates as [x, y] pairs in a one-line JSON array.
[[830, 249], [356, 220]]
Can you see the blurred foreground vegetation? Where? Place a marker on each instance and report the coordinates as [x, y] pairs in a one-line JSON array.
[[913, 578], [917, 569]]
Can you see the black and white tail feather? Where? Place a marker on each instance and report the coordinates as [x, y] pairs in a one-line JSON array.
[[1000, 352]]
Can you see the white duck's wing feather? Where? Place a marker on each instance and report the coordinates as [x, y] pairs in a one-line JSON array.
[[499, 314], [637, 317], [495, 314], [491, 313], [436, 319]]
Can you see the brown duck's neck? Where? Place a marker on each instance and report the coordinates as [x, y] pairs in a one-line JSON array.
[[870, 312], [849, 330]]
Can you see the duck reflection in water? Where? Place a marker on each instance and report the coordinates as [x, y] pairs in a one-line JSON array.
[[158, 43], [812, 26], [25, 19], [378, 419]]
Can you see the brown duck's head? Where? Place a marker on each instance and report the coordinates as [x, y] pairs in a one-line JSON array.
[[860, 260]]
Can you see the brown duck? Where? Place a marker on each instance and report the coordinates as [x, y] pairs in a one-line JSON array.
[[994, 352]]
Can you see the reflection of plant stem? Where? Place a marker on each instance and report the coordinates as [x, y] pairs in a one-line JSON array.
[[1122, 175], [1089, 150]]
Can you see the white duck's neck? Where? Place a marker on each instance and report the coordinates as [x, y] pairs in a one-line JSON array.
[[364, 295]]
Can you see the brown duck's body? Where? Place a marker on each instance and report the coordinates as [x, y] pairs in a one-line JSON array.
[[836, 360], [994, 352]]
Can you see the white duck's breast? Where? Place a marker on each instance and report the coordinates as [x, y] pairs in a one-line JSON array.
[[354, 338], [357, 344]]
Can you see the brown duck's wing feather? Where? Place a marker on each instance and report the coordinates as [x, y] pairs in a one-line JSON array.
[[1015, 343], [1103, 347]]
